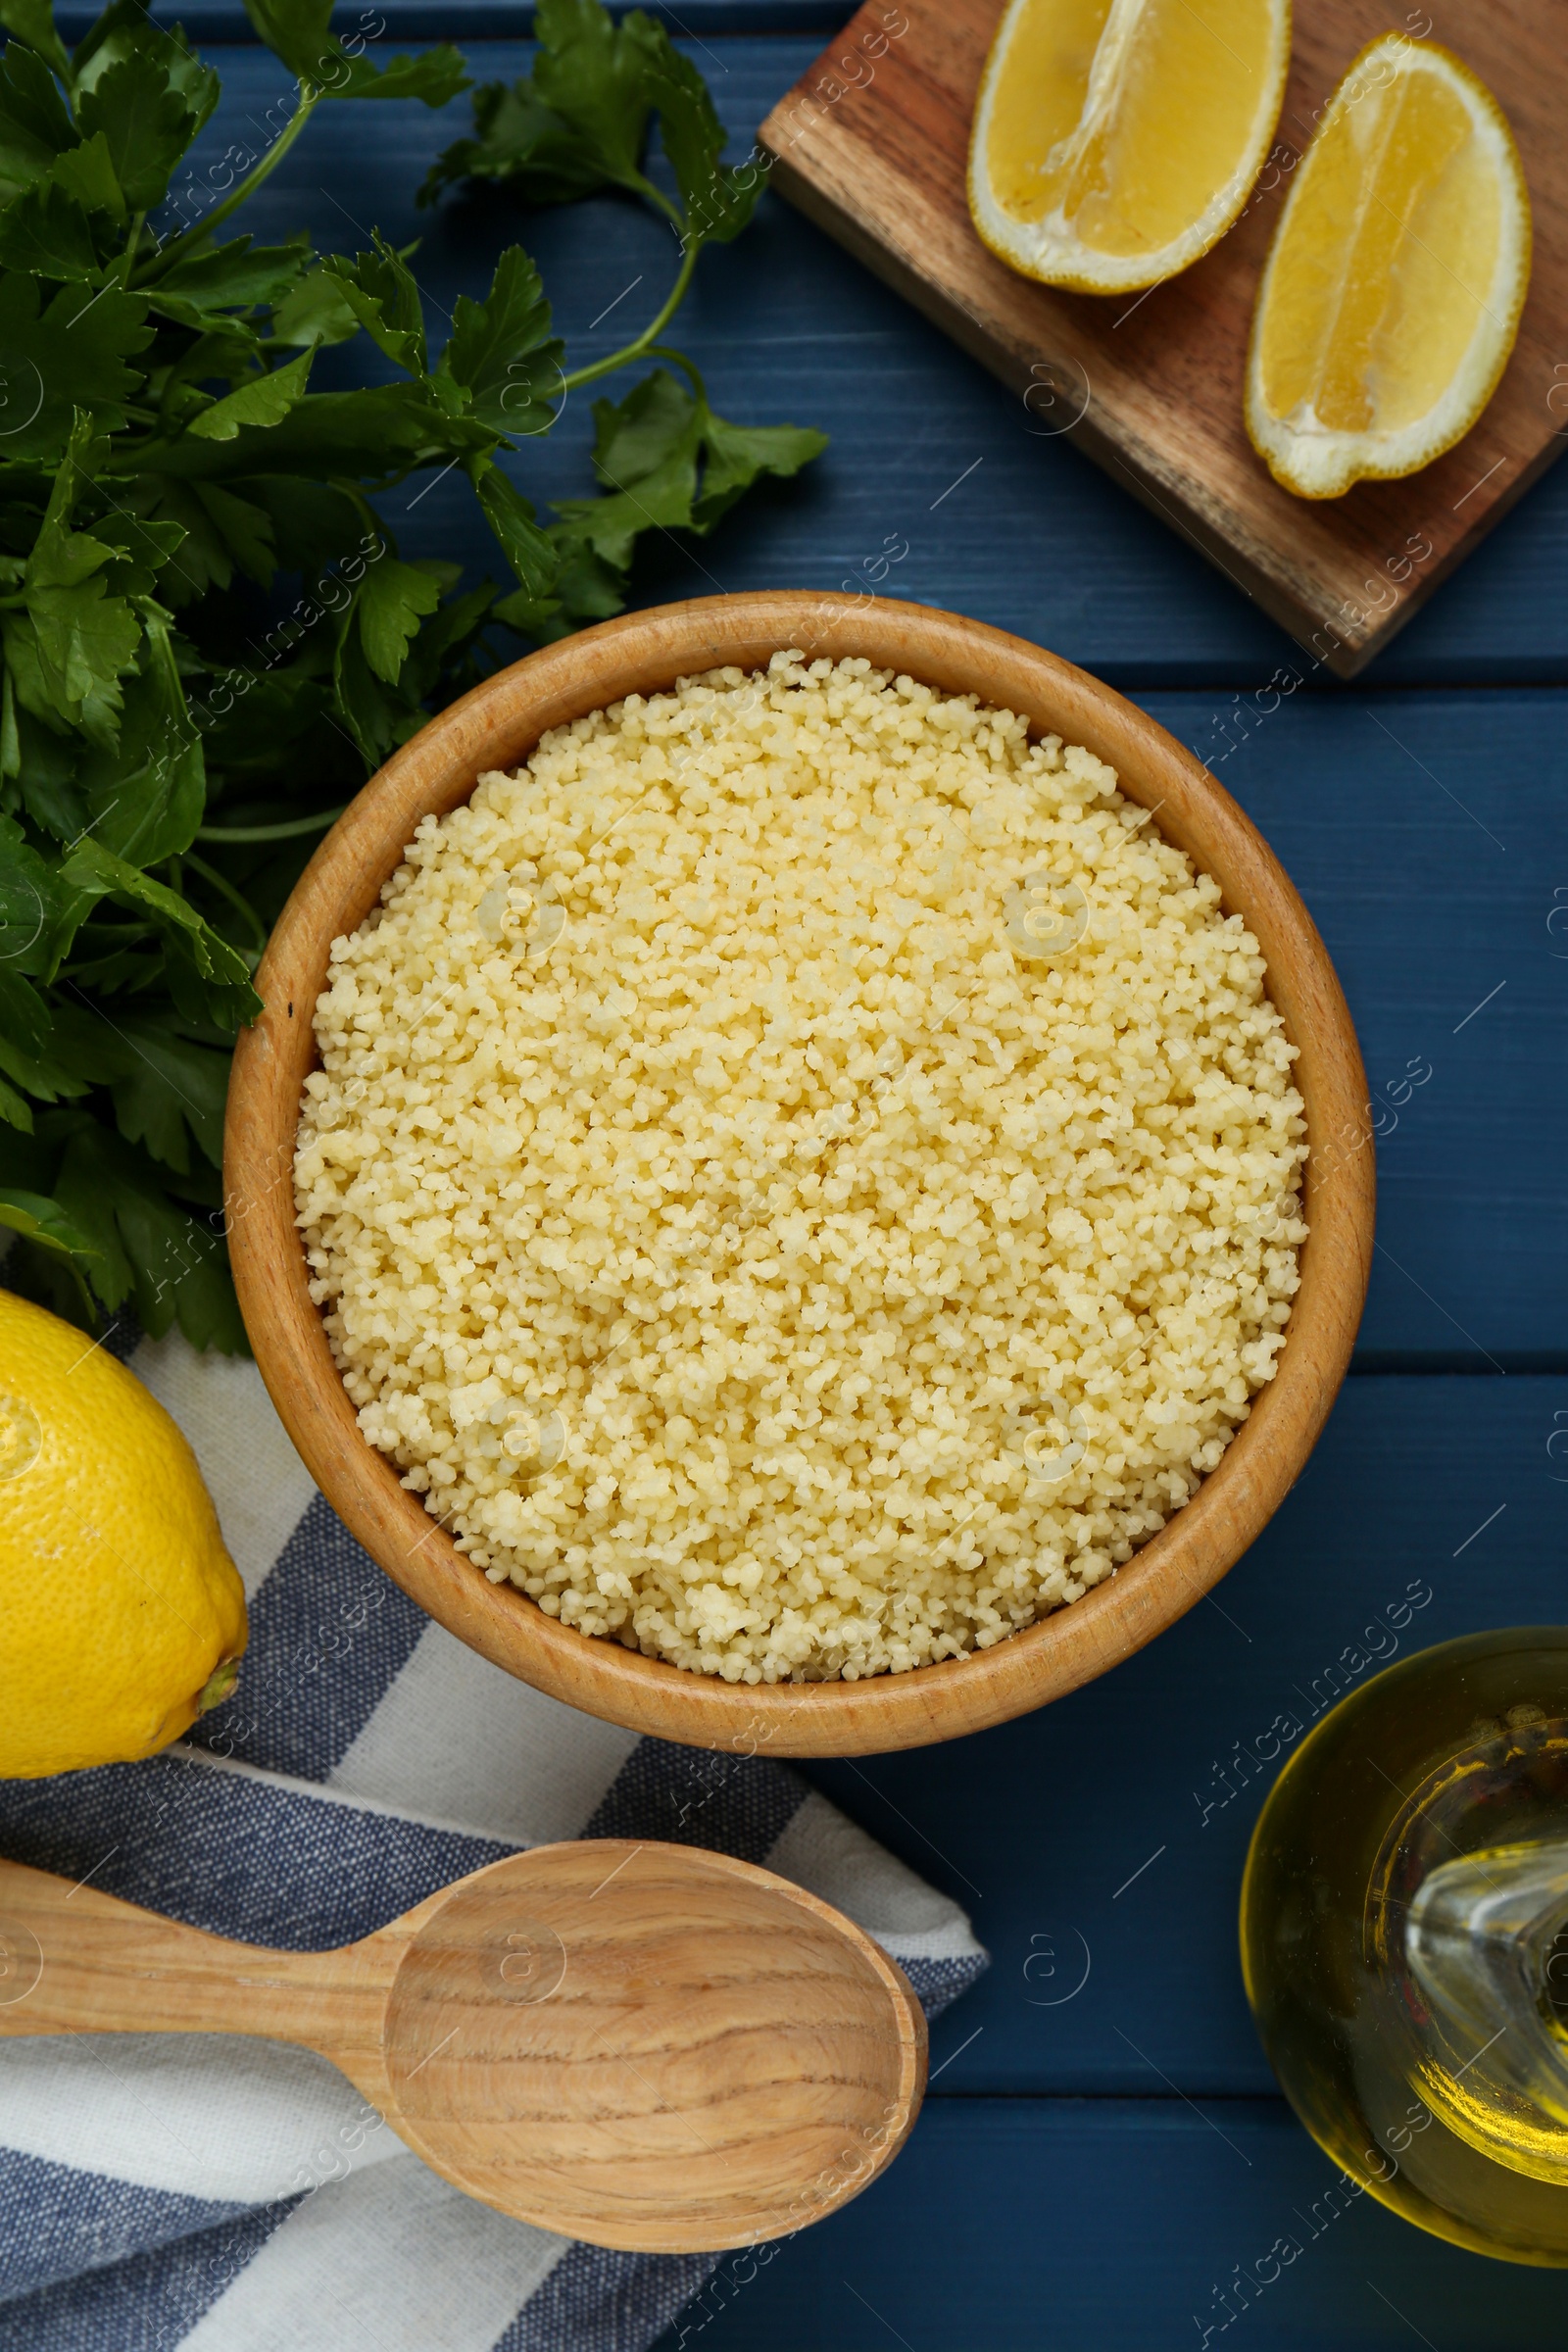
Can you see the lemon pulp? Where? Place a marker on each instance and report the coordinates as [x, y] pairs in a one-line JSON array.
[[1392, 293], [1116, 140]]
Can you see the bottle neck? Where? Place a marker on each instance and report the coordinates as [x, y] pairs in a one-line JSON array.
[[1485, 1941], [1466, 1932]]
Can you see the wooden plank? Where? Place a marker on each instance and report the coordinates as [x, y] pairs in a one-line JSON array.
[[872, 144], [1105, 1819], [784, 324], [1011, 2225]]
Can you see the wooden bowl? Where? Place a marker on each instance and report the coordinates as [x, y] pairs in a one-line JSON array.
[[497, 726]]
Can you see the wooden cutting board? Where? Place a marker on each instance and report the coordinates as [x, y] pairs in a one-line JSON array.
[[872, 144]]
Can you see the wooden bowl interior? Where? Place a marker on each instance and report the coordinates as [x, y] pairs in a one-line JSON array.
[[497, 726]]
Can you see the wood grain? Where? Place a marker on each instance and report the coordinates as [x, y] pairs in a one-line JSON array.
[[102, 1966], [495, 726], [872, 144], [647, 2046]]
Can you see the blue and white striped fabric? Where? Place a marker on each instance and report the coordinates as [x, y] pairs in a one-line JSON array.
[[226, 2196]]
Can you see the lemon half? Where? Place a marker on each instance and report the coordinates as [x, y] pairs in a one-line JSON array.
[[1116, 140], [1392, 296]]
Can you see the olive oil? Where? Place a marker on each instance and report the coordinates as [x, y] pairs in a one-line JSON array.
[[1404, 1939]]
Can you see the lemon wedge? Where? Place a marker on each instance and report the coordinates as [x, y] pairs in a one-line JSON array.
[[1393, 292], [1116, 140]]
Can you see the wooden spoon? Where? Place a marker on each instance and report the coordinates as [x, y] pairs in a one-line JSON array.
[[647, 2046]]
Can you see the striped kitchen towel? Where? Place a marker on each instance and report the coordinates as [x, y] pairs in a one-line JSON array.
[[226, 2196]]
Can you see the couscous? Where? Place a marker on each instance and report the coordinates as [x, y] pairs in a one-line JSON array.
[[801, 1178]]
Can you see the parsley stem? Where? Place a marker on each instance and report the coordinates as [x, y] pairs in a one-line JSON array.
[[199, 231], [657, 197], [667, 350], [650, 334], [209, 873], [288, 832]]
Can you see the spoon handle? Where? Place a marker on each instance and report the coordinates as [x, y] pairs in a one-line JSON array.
[[74, 1961]]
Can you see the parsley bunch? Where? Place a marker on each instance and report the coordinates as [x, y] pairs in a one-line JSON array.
[[208, 636]]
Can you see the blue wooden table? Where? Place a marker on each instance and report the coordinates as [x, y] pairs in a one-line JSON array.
[[1103, 2148]]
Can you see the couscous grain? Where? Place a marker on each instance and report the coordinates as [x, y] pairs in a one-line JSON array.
[[802, 1178]]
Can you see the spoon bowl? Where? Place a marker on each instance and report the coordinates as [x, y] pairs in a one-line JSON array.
[[651, 2048]]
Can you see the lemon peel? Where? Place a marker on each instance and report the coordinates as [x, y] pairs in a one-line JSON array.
[[120, 1612]]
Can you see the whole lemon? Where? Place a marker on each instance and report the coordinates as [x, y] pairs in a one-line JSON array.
[[120, 1612]]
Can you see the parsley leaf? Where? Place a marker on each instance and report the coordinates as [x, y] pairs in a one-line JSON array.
[[739, 455], [165, 1087], [245, 529], [645, 453], [145, 796], [299, 32], [56, 1070], [375, 435], [233, 277], [503, 353], [520, 140], [394, 599], [82, 639], [217, 528], [32, 21], [145, 122], [265, 400], [66, 1254], [34, 126], [579, 122], [23, 1014], [48, 232], [37, 770], [717, 200], [87, 172], [667, 461], [527, 549], [33, 906], [126, 31], [147, 1248], [42, 1221], [595, 76], [316, 312], [380, 289], [368, 710], [210, 979], [63, 354]]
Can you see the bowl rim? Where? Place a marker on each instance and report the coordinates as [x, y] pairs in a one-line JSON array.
[[495, 726]]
